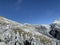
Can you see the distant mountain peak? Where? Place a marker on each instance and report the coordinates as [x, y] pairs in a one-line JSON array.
[[57, 21]]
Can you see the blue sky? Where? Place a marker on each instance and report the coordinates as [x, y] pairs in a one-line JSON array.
[[31, 11]]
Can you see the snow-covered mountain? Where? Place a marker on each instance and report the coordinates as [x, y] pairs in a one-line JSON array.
[[14, 33]]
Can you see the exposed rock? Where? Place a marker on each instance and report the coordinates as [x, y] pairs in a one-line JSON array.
[[55, 30]]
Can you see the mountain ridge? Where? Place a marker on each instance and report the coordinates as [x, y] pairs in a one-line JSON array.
[[14, 33]]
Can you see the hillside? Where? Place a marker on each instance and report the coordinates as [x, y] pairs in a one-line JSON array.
[[14, 33]]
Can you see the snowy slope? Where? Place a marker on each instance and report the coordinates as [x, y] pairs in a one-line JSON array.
[[14, 33]]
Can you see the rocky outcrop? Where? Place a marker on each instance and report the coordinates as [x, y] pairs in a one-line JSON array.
[[55, 30], [14, 33]]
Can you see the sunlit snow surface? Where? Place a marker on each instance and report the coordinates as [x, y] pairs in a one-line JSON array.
[[14, 33]]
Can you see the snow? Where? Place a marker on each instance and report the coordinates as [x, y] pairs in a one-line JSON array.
[[29, 32], [57, 21], [2, 43]]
